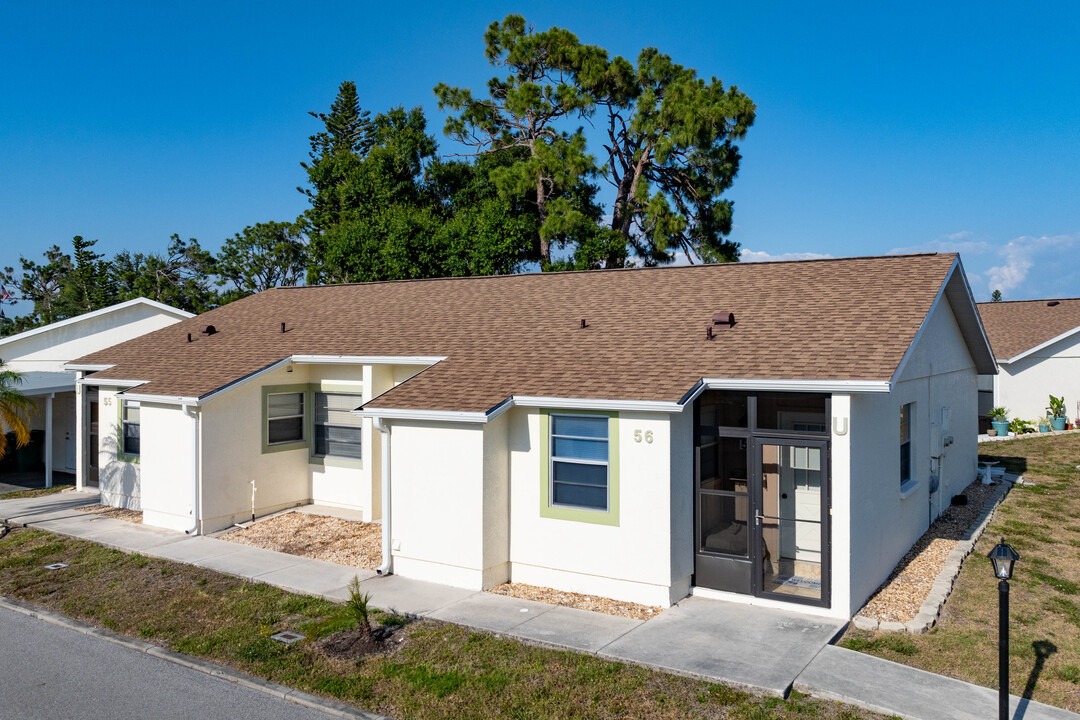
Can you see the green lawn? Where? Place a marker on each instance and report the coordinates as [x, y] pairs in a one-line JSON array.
[[438, 671], [18, 494], [1041, 519]]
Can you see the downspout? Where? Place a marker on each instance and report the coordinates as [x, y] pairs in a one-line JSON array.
[[196, 479], [383, 427]]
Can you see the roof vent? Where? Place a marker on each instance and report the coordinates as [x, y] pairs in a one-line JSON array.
[[1052, 303], [724, 318], [207, 330]]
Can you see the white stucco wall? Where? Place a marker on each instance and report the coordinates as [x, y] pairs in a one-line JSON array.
[[1024, 387], [167, 463], [49, 350], [232, 427], [631, 561], [437, 505], [886, 521], [118, 479]]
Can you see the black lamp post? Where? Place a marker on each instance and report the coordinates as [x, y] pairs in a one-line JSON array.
[[1003, 557]]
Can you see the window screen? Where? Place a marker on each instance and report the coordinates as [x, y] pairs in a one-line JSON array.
[[130, 421], [285, 417], [338, 433], [579, 461]]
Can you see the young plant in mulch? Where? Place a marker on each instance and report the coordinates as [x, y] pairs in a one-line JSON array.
[[366, 636]]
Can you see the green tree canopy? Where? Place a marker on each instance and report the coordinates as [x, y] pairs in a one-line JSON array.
[[263, 256], [670, 147], [182, 276]]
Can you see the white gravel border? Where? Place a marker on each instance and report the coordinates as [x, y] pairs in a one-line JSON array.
[[930, 611]]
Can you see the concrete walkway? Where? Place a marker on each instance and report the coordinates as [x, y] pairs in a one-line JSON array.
[[761, 649]]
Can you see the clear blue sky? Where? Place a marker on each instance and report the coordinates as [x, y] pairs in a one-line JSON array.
[[929, 126]]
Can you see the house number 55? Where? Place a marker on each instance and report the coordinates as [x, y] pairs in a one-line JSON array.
[[647, 436]]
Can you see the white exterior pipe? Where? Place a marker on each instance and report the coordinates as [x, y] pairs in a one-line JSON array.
[[195, 479], [385, 569]]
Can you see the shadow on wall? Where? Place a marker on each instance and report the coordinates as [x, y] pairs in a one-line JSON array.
[[119, 485]]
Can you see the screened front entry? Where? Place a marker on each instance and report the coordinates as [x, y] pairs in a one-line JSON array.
[[762, 505]]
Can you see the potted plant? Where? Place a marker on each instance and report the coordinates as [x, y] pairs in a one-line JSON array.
[[1021, 427], [1045, 424], [1057, 412], [999, 420]]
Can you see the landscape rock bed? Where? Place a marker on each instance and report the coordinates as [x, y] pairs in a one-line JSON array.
[[345, 542], [910, 600], [595, 603]]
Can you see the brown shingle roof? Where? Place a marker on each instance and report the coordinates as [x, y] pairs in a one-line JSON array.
[[1018, 326], [845, 319]]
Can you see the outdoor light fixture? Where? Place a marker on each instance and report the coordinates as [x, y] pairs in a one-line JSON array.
[[1003, 558]]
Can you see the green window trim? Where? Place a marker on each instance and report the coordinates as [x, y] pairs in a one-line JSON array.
[[267, 391], [122, 456], [561, 512]]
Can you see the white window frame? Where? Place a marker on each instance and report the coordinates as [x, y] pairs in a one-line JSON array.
[[908, 482], [124, 422], [552, 459], [315, 425], [303, 429]]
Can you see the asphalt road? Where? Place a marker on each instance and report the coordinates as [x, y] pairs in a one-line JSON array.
[[50, 672]]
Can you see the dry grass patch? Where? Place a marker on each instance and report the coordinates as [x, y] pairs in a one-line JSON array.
[[432, 671], [595, 603], [131, 516], [38, 492], [1036, 519], [345, 542]]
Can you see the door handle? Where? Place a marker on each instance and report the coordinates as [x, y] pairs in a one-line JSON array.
[[783, 496]]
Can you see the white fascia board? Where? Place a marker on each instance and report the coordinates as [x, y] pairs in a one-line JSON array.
[[161, 399], [970, 296], [428, 415], [925, 322], [781, 385], [661, 406], [111, 382], [184, 314], [1041, 346], [86, 367], [367, 359]]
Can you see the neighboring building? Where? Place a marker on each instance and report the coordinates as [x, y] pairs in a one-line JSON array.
[[1037, 346], [774, 433], [40, 355]]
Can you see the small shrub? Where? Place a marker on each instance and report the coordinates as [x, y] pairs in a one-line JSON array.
[[358, 605]]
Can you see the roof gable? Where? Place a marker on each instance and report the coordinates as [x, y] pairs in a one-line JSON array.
[[94, 314], [644, 337], [1018, 328]]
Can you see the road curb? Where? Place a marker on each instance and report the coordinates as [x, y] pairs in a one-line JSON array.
[[297, 697]]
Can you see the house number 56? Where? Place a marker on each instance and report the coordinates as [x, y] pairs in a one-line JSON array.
[[647, 436]]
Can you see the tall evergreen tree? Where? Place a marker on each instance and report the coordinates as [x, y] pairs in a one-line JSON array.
[[88, 286], [263, 256]]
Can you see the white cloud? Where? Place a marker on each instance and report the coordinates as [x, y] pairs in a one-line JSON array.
[[761, 256], [962, 242], [1049, 253]]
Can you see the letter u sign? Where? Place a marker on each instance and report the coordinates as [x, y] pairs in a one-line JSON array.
[[840, 425]]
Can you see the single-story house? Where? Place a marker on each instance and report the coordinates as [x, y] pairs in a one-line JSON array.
[[1037, 346], [776, 433], [40, 354]]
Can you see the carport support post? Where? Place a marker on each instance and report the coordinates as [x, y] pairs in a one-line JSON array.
[[48, 439]]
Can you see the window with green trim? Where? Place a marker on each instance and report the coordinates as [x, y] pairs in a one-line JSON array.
[[338, 433], [579, 461], [284, 418], [129, 421]]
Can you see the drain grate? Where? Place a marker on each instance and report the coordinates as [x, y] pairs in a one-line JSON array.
[[56, 566], [287, 636]]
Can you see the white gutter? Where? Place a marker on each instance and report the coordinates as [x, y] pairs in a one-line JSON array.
[[196, 478], [367, 359], [829, 386], [163, 399], [1040, 346], [429, 415], [387, 545], [86, 367]]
